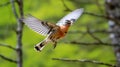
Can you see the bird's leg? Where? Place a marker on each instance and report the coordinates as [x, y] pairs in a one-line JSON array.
[[55, 44]]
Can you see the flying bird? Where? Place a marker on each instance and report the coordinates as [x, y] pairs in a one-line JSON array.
[[53, 32]]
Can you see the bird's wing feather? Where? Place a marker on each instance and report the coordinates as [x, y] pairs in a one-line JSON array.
[[37, 25], [73, 15]]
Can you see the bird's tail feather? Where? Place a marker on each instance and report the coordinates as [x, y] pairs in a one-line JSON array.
[[40, 46]]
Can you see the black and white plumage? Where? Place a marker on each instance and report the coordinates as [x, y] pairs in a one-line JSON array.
[[37, 25]]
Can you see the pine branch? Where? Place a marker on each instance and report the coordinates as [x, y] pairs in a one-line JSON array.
[[84, 61], [8, 59]]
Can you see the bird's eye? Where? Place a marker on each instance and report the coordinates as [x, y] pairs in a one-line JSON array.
[[73, 20], [68, 22]]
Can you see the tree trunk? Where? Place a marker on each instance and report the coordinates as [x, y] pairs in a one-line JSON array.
[[19, 34], [19, 30], [113, 12]]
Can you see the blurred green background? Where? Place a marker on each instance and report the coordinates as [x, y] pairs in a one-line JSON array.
[[52, 11]]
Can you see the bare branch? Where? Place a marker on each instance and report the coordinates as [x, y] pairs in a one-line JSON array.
[[66, 7], [8, 59], [14, 9], [8, 46], [93, 43], [92, 31], [99, 6], [92, 35], [103, 16], [93, 14], [5, 4], [84, 61]]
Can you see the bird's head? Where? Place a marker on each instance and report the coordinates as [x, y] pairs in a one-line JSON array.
[[69, 22]]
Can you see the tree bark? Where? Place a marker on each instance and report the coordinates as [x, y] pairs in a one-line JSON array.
[[19, 34], [113, 11], [19, 29]]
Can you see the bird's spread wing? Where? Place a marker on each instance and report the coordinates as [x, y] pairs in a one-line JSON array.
[[71, 16], [38, 26]]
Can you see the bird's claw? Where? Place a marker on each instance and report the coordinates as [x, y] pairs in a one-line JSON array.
[[55, 44]]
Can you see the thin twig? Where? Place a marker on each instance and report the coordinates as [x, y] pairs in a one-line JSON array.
[[93, 43], [92, 35], [99, 6], [89, 13], [5, 4], [8, 46], [8, 59], [103, 16], [14, 9], [92, 31], [93, 14], [84, 61], [66, 7], [83, 35]]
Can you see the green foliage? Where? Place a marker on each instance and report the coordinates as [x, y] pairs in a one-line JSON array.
[[51, 10]]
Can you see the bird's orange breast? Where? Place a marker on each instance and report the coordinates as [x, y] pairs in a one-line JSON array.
[[63, 30]]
